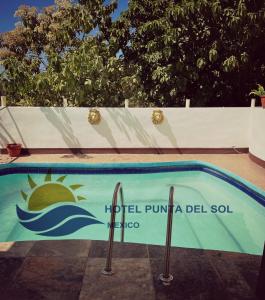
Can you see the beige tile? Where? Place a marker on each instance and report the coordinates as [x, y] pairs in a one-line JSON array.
[[15, 249], [239, 164]]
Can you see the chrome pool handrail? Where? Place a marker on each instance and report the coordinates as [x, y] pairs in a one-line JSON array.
[[166, 277], [118, 188]]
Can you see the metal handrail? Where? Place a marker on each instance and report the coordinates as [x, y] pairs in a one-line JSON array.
[[166, 277], [118, 188]]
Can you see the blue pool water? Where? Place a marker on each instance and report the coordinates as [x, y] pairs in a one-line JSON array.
[[214, 209]]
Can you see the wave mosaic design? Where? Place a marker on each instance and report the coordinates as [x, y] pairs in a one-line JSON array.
[[44, 217]]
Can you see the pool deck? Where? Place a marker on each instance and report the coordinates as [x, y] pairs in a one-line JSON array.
[[237, 163], [71, 269]]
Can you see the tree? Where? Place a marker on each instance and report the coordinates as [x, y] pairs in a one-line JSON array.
[[210, 51], [52, 54], [156, 53], [90, 76]]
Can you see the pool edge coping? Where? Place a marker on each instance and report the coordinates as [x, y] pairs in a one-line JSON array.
[[237, 181]]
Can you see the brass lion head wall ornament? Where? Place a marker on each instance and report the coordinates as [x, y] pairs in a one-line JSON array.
[[157, 116], [94, 116]]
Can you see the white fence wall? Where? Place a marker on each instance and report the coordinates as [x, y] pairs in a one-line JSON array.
[[68, 127], [257, 134]]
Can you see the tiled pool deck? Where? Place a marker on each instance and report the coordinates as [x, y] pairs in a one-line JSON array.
[[237, 163], [71, 269]]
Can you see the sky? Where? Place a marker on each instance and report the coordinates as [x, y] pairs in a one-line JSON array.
[[8, 8]]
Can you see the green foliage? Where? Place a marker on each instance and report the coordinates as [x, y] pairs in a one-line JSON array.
[[209, 51], [156, 53], [91, 76], [213, 55], [260, 91], [52, 55]]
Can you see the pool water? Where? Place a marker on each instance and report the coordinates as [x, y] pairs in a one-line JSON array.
[[209, 212]]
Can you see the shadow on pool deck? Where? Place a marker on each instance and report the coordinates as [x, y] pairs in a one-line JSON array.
[[71, 270]]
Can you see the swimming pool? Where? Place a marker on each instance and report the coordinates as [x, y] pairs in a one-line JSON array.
[[213, 208]]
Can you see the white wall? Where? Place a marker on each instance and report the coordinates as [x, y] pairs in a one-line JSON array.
[[257, 133], [39, 127]]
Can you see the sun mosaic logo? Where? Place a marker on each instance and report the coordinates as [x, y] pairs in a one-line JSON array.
[[52, 208]]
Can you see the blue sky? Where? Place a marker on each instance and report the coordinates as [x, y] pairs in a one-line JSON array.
[[8, 8]]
